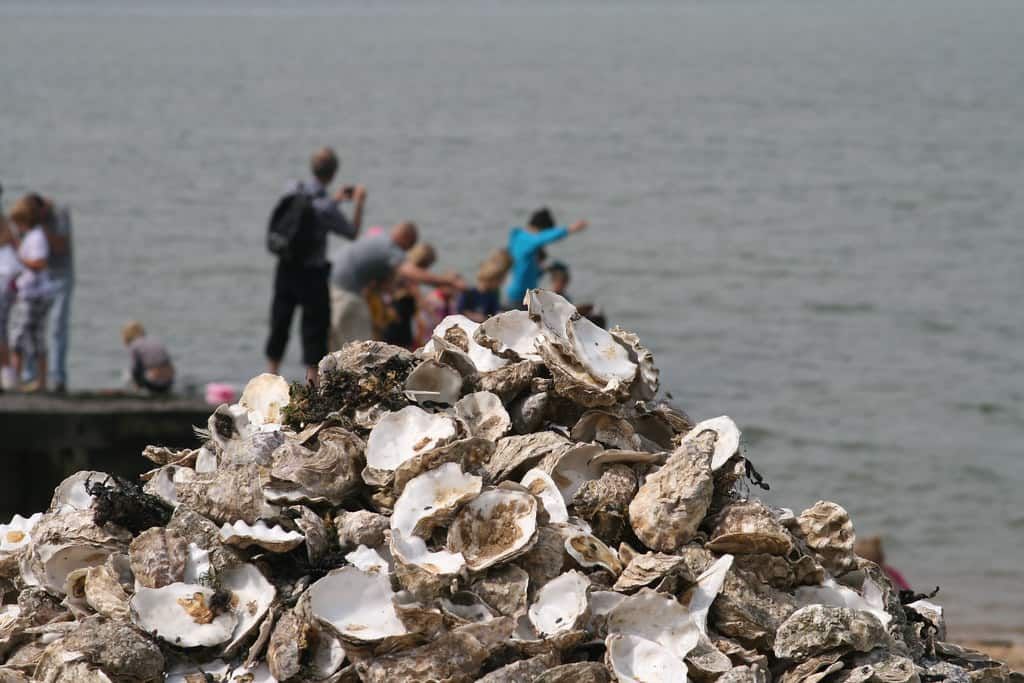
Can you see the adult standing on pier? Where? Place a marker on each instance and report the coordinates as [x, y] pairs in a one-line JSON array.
[[298, 236]]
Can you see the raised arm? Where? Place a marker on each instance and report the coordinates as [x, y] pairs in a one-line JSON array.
[[425, 277]]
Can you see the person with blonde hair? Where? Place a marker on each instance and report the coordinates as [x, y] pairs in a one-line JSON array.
[[151, 366], [27, 331], [484, 300], [405, 299]]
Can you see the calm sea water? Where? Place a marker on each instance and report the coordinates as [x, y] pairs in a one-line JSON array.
[[812, 211]]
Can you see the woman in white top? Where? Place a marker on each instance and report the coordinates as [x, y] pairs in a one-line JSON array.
[[10, 266], [27, 331]]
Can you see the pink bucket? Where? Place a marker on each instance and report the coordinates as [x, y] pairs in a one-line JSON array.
[[219, 392]]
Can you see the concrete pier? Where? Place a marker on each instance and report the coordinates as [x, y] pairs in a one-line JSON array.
[[45, 438]]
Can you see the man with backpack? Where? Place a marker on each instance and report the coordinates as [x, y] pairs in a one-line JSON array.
[[297, 235]]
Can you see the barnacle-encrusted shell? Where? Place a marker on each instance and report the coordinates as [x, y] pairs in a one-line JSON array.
[[561, 605], [672, 502], [749, 527], [157, 557], [816, 629], [828, 531], [496, 526]]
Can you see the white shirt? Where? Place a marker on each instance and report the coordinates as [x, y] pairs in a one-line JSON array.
[[34, 283], [10, 266]]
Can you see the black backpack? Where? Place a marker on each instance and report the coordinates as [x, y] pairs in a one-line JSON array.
[[291, 233]]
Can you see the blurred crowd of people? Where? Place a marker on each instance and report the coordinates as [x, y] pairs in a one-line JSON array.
[[382, 284]]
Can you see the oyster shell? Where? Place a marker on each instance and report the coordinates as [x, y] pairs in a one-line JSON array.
[[356, 604], [509, 381], [749, 527], [484, 415], [606, 428], [251, 597], [273, 538], [816, 629], [634, 659], [494, 527], [328, 475], [183, 614], [157, 557], [577, 672], [264, 397], [571, 468], [459, 331], [504, 589], [511, 334], [672, 502], [590, 551], [434, 382], [456, 657], [541, 485], [432, 499], [230, 493], [516, 454], [405, 434], [727, 438], [828, 532], [561, 605], [361, 527]]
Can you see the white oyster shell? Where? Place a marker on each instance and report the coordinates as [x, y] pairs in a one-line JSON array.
[[252, 596], [399, 436], [368, 560], [511, 333], [263, 398], [357, 604], [571, 468], [434, 382], [484, 415], [835, 595], [413, 550], [70, 494], [727, 443], [432, 498], [656, 617], [483, 358], [543, 486], [634, 659], [561, 605], [495, 526], [590, 551], [273, 538], [16, 534], [600, 354], [180, 614]]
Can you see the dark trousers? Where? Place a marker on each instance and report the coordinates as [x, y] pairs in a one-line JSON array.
[[305, 287]]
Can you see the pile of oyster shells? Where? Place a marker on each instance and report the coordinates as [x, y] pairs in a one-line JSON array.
[[531, 513]]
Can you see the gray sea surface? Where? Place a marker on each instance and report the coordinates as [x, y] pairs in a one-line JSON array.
[[813, 212]]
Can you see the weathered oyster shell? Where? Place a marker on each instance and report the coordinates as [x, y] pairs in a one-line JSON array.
[[828, 532], [571, 468], [577, 672], [750, 611], [504, 589], [495, 526], [511, 334], [521, 670], [228, 494], [456, 657], [157, 557], [672, 502], [459, 331], [604, 502], [537, 482], [590, 551], [607, 429], [516, 454], [546, 559], [747, 527], [361, 527], [63, 542], [264, 397], [470, 453], [484, 415], [816, 629], [327, 475], [251, 597], [110, 649]]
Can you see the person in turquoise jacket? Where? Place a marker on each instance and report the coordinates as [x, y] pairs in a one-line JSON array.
[[525, 246]]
